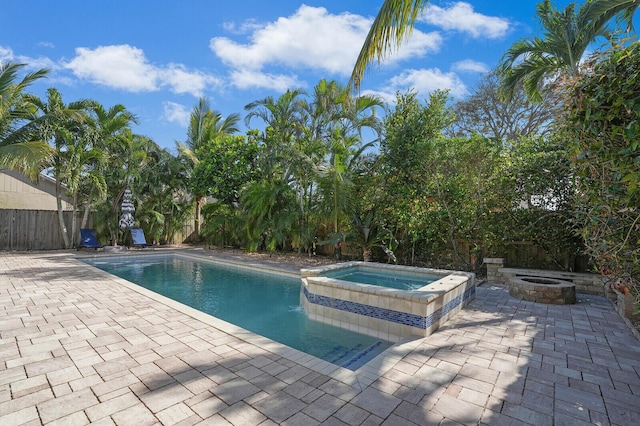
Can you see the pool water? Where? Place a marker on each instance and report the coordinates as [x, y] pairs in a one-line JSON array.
[[398, 280], [266, 304]]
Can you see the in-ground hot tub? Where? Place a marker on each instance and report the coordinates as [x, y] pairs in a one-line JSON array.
[[386, 301]]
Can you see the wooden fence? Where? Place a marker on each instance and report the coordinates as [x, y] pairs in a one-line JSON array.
[[40, 230], [32, 229]]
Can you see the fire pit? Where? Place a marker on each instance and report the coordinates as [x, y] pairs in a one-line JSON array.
[[543, 290]]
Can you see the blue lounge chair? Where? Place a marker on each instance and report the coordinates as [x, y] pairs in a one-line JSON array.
[[88, 239], [137, 236]]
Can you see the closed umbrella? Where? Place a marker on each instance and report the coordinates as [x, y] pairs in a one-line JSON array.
[[126, 219]]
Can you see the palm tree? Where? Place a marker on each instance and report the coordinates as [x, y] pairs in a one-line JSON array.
[[20, 149], [130, 157], [205, 125], [285, 118], [82, 173], [605, 10], [110, 126], [367, 233], [160, 188], [396, 18], [66, 126], [342, 120], [567, 35], [393, 24], [273, 200]]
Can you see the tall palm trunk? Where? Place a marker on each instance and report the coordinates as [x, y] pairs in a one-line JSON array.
[[74, 220], [198, 218], [63, 226]]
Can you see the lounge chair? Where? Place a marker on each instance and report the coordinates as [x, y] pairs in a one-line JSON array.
[[137, 236], [88, 239]]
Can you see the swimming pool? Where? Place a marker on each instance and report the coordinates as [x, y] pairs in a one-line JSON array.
[[264, 303]]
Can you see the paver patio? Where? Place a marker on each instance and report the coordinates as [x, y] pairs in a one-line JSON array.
[[78, 346]]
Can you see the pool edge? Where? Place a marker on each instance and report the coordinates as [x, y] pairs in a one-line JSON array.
[[358, 379]]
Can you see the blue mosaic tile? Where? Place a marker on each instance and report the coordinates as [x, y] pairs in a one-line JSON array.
[[404, 318]]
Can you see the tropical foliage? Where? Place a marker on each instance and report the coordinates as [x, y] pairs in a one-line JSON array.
[[20, 149], [423, 182], [205, 126], [603, 131]]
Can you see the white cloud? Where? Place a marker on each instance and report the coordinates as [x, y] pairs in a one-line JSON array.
[[246, 27], [388, 97], [418, 45], [126, 68], [249, 79], [461, 17], [425, 81], [176, 113], [182, 80], [311, 38], [470, 66], [7, 55], [120, 67]]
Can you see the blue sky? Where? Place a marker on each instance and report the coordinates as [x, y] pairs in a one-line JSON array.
[[158, 57]]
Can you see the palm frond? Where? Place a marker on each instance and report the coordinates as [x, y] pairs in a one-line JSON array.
[[602, 11], [393, 24], [27, 157]]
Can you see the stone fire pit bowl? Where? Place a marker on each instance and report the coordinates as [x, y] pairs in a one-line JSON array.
[[543, 290]]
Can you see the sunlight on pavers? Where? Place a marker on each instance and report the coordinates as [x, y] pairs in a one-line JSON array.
[[76, 346]]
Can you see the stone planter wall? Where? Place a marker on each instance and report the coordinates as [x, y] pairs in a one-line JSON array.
[[585, 283], [626, 305]]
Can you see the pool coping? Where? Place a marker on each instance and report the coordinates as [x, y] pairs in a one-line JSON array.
[[358, 379]]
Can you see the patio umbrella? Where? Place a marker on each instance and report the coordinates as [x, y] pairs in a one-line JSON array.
[[126, 219]]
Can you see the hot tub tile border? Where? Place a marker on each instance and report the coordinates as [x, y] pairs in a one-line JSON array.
[[402, 318]]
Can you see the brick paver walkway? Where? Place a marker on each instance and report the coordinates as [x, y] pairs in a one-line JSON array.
[[78, 347]]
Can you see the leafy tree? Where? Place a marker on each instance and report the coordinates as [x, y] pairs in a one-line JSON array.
[[485, 112], [603, 131], [226, 165], [405, 153], [533, 201], [20, 147], [461, 189]]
